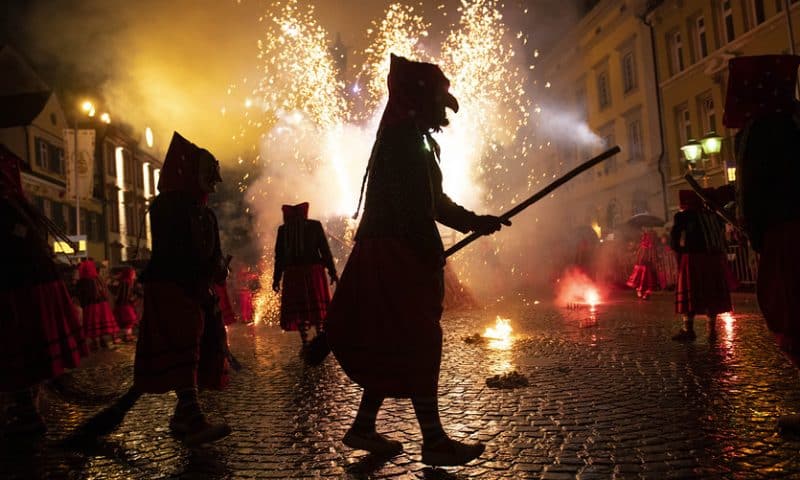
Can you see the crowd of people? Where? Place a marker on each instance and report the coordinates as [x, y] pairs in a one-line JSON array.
[[383, 323]]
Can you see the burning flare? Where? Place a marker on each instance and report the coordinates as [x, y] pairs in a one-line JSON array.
[[500, 335]]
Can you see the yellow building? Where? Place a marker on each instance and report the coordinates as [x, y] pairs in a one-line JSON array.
[[601, 74], [694, 41]]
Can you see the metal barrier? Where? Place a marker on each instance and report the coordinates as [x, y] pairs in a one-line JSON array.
[[743, 262]]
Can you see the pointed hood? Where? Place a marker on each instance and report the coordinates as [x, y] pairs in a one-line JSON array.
[[181, 169]]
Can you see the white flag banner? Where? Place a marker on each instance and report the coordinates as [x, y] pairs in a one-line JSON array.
[[85, 177]]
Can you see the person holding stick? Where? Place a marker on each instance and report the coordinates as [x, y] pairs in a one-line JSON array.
[[383, 323]]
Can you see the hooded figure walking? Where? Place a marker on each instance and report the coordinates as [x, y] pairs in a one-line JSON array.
[[182, 343], [383, 323], [302, 255], [762, 101]]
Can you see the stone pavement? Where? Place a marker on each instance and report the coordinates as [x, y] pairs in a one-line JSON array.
[[615, 399]]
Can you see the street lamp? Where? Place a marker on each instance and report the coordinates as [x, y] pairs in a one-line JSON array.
[[88, 108]]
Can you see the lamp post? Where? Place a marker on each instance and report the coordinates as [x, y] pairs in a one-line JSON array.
[[88, 108], [697, 150]]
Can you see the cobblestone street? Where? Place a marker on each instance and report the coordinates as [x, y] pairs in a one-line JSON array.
[[615, 399]]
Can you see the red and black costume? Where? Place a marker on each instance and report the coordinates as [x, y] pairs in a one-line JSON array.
[[225, 306], [98, 319], [644, 278], [246, 284], [761, 101], [41, 333], [302, 255], [698, 238], [181, 344], [126, 299]]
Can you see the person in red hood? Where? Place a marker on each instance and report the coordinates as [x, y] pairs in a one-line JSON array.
[[383, 322], [302, 255], [182, 345], [98, 319], [762, 102], [42, 336], [125, 305]]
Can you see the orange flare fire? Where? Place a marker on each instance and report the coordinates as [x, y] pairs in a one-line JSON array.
[[500, 335]]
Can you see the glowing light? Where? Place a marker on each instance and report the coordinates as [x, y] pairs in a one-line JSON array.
[[500, 335], [597, 229], [87, 106], [148, 137], [119, 158], [105, 118], [592, 297]]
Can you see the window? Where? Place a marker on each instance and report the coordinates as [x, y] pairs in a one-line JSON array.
[[628, 72], [127, 163], [55, 157], [603, 90], [609, 140], [113, 212], [684, 125], [138, 175], [708, 115], [635, 148], [41, 154], [580, 101], [676, 47], [111, 160], [701, 39], [727, 21], [639, 202], [758, 12]]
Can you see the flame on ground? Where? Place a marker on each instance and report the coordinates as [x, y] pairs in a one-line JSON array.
[[577, 289], [500, 335]]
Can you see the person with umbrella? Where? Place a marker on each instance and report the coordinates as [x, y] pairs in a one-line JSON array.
[[644, 277]]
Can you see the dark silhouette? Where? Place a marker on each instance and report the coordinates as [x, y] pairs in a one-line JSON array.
[[762, 102], [182, 343], [98, 319], [698, 238], [41, 333], [302, 255], [383, 323]]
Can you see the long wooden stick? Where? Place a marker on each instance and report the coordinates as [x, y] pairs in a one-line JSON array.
[[538, 196], [711, 204]]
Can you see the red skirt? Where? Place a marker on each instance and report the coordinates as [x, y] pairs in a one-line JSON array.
[[98, 320], [779, 284], [125, 315], [643, 278], [703, 284], [383, 323], [304, 297], [228, 318], [41, 335], [246, 305], [178, 347]]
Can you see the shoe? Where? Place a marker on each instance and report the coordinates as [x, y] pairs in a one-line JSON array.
[[684, 336], [197, 430], [372, 442], [449, 452], [789, 423]]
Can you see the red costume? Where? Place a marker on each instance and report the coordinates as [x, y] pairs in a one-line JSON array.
[[644, 278], [247, 283], [98, 319], [302, 255], [761, 102], [698, 237], [181, 344], [127, 298], [41, 333], [226, 309]]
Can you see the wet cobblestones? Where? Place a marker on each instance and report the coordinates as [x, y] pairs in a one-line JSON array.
[[618, 399]]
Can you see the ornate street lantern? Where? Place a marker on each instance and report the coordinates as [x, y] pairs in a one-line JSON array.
[[692, 151]]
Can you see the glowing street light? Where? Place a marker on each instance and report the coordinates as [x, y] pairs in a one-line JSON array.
[[692, 151], [712, 143], [87, 106], [105, 117]]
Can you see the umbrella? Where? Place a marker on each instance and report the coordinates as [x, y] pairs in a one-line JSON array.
[[645, 220]]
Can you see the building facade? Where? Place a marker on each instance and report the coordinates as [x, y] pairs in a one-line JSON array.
[[693, 42], [125, 167], [601, 72]]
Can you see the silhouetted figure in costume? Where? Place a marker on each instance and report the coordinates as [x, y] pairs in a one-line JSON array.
[[127, 298], [383, 323], [98, 319], [644, 277], [762, 102], [41, 333], [182, 343], [698, 238], [302, 255]]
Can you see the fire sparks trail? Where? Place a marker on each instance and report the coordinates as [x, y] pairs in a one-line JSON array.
[[311, 149]]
